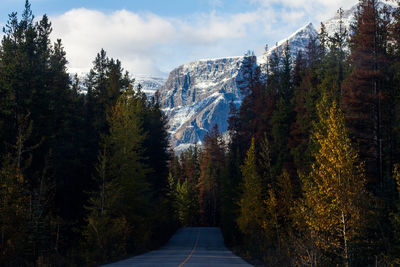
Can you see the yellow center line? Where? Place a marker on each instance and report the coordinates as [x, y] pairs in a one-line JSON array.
[[191, 252]]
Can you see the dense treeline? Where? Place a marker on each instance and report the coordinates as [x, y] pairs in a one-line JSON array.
[[83, 176], [310, 175]]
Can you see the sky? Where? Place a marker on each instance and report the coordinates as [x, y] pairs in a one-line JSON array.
[[152, 37]]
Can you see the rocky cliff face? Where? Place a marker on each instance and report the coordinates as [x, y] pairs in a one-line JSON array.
[[197, 96]]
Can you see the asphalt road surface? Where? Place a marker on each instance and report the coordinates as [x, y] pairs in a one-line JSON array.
[[190, 246]]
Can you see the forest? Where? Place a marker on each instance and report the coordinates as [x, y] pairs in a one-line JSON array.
[[309, 176]]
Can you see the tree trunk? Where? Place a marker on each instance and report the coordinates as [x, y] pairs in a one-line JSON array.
[[346, 252]]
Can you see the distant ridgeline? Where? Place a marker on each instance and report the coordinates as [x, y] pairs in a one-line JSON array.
[[197, 95]]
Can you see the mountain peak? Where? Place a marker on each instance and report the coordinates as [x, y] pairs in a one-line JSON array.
[[298, 41], [306, 28], [304, 32], [197, 95]]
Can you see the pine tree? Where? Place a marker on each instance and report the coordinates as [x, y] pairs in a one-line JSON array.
[[338, 43], [107, 231], [364, 89], [156, 143], [395, 215], [251, 119], [211, 170], [282, 116], [185, 203], [252, 210], [14, 211], [306, 94], [121, 206], [24, 210], [229, 198]]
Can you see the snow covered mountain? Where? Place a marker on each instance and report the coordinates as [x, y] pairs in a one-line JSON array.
[[332, 24], [150, 84], [197, 96], [298, 41]]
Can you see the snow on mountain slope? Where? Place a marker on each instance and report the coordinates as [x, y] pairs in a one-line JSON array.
[[150, 84], [332, 24], [197, 95], [298, 41]]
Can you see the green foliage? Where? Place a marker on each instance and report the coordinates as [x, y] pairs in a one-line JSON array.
[[14, 211], [252, 210], [123, 195], [24, 212], [185, 203], [297, 198], [212, 164], [50, 134]]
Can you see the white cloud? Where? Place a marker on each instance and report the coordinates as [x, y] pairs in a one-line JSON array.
[[122, 34], [313, 9], [210, 28], [150, 44], [216, 3], [136, 38]]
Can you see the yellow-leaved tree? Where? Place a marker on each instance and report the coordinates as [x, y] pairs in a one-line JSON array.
[[335, 196]]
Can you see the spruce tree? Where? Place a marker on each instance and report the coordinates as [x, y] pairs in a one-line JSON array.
[[211, 170], [123, 197], [185, 203], [306, 95], [282, 116], [252, 210], [364, 89]]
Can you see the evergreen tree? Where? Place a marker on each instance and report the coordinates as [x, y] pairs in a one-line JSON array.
[[107, 230], [211, 170], [229, 199], [337, 48], [185, 203], [123, 198], [252, 210], [364, 89], [15, 198], [184, 186], [395, 216], [306, 94], [156, 143], [282, 116]]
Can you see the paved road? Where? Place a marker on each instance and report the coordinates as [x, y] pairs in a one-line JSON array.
[[190, 246]]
